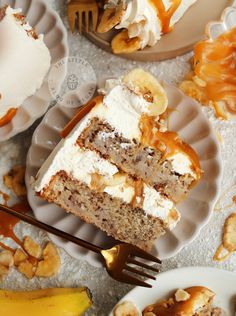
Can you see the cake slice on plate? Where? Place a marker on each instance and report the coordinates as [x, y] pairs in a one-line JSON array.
[[143, 22], [118, 167], [24, 62]]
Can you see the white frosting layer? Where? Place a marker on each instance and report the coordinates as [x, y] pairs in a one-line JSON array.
[[122, 109], [141, 20], [181, 164], [24, 62]]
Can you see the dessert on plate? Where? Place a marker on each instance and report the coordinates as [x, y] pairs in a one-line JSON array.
[[192, 301], [142, 22], [118, 167], [213, 79], [24, 62]]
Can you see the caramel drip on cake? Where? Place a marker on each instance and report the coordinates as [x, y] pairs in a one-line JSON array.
[[165, 15], [215, 64], [167, 142], [85, 109], [8, 117]]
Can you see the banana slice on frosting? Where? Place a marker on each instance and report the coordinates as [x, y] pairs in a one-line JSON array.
[[123, 44], [110, 18], [144, 83]]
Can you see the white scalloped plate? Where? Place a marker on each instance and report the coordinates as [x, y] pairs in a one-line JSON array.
[[227, 22], [46, 21], [193, 127], [220, 281]]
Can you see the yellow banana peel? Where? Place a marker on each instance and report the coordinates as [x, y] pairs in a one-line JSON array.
[[50, 302]]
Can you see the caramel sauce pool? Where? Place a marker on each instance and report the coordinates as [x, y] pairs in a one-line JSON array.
[[215, 63], [8, 222]]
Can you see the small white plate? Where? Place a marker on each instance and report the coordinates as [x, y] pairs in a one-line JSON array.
[[191, 124], [46, 21], [220, 281]]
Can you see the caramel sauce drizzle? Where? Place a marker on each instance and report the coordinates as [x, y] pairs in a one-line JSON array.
[[167, 142], [8, 117], [85, 109], [215, 63], [165, 15]]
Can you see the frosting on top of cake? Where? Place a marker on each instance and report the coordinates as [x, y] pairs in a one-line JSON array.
[[149, 19], [24, 61]]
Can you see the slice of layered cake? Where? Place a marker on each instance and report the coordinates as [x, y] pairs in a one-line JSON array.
[[118, 167], [24, 62]]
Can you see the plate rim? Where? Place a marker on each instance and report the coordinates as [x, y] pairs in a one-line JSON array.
[[64, 41], [189, 269], [218, 180]]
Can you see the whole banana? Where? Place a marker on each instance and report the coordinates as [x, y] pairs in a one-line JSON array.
[[50, 302]]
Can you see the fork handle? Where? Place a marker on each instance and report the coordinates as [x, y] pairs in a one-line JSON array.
[[50, 229]]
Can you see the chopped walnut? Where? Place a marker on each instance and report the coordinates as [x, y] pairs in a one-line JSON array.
[[6, 258], [51, 263], [19, 256], [15, 180], [181, 296], [27, 269], [32, 248], [126, 309]]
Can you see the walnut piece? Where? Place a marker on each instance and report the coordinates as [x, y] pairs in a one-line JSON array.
[[27, 269], [51, 262], [32, 248], [126, 309], [19, 256], [181, 296], [15, 180], [6, 258]]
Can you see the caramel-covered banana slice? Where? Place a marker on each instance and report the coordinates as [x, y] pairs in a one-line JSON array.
[[122, 44]]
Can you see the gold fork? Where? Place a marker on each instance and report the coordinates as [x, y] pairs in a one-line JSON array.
[[119, 260], [82, 9]]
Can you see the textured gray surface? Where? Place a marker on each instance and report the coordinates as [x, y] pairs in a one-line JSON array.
[[107, 292]]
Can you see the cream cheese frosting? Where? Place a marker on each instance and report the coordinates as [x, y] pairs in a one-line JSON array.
[[142, 20], [24, 61]]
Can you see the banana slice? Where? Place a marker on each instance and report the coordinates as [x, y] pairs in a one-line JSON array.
[[122, 44], [110, 18], [144, 83]]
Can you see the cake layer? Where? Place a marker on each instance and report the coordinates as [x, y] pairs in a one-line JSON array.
[[136, 159], [117, 218]]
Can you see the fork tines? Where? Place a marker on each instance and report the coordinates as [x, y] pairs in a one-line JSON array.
[[83, 13]]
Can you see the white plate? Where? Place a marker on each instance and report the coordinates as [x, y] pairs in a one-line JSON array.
[[220, 281], [193, 127], [46, 21]]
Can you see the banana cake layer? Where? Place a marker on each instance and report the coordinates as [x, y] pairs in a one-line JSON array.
[[118, 167], [138, 160]]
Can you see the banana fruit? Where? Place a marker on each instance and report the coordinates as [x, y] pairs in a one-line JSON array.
[[145, 84], [110, 18], [122, 44], [50, 302]]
